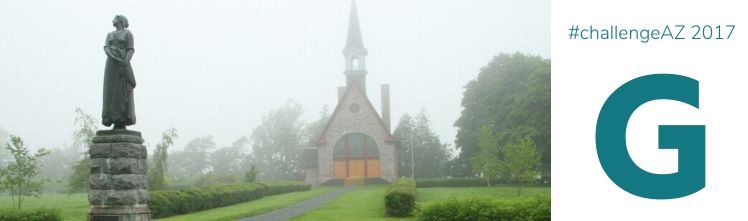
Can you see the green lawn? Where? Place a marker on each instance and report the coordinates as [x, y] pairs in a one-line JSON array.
[[500, 192], [73, 207], [367, 202], [251, 208], [363, 203]]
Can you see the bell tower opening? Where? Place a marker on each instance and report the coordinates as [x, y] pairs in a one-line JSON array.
[[355, 53], [354, 63]]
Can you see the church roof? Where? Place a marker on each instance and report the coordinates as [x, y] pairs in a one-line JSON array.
[[387, 137], [354, 42]]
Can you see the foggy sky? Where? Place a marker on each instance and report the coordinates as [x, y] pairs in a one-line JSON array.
[[216, 67]]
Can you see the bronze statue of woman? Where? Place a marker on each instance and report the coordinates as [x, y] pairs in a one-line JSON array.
[[119, 80]]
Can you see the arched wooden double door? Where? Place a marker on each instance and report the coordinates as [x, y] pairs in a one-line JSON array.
[[356, 155]]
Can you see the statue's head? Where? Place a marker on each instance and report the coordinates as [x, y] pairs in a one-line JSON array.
[[120, 20]]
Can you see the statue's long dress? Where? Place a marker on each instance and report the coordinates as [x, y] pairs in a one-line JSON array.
[[119, 81]]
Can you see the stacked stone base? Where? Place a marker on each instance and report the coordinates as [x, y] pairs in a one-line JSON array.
[[117, 213], [118, 182]]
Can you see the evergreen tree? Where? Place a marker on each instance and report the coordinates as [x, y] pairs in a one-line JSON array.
[[430, 155]]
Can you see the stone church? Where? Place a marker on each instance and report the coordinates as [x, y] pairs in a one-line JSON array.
[[356, 141]]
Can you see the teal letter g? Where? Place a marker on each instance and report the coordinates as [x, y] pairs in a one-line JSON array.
[[687, 139]]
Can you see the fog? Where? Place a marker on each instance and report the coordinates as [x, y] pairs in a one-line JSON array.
[[216, 67]]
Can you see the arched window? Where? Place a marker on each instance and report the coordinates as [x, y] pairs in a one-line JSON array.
[[356, 145], [356, 155]]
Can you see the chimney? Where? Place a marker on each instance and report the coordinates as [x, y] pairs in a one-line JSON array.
[[341, 91], [386, 106]]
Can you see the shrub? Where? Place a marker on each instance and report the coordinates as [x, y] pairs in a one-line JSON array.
[[214, 179], [30, 215], [278, 187], [179, 185], [521, 209], [400, 197], [175, 202]]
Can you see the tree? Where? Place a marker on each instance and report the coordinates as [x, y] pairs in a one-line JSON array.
[[431, 156], [18, 176], [520, 162], [82, 141], [512, 93], [250, 175], [277, 142], [57, 166], [194, 160], [313, 130], [157, 173], [487, 161], [212, 178], [177, 172], [228, 160], [404, 145]]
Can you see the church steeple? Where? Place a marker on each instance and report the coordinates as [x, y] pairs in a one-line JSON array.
[[354, 44], [355, 53]]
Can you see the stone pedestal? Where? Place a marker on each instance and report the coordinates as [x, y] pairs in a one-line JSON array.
[[119, 180]]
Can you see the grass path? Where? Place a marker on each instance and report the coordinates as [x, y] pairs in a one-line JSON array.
[[300, 208], [365, 203]]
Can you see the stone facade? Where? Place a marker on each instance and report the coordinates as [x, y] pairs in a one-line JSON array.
[[354, 114], [366, 121], [311, 175], [118, 181]]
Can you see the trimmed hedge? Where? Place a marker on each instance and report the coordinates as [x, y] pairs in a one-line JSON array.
[[456, 182], [400, 197], [522, 209], [30, 215], [176, 202], [279, 187]]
